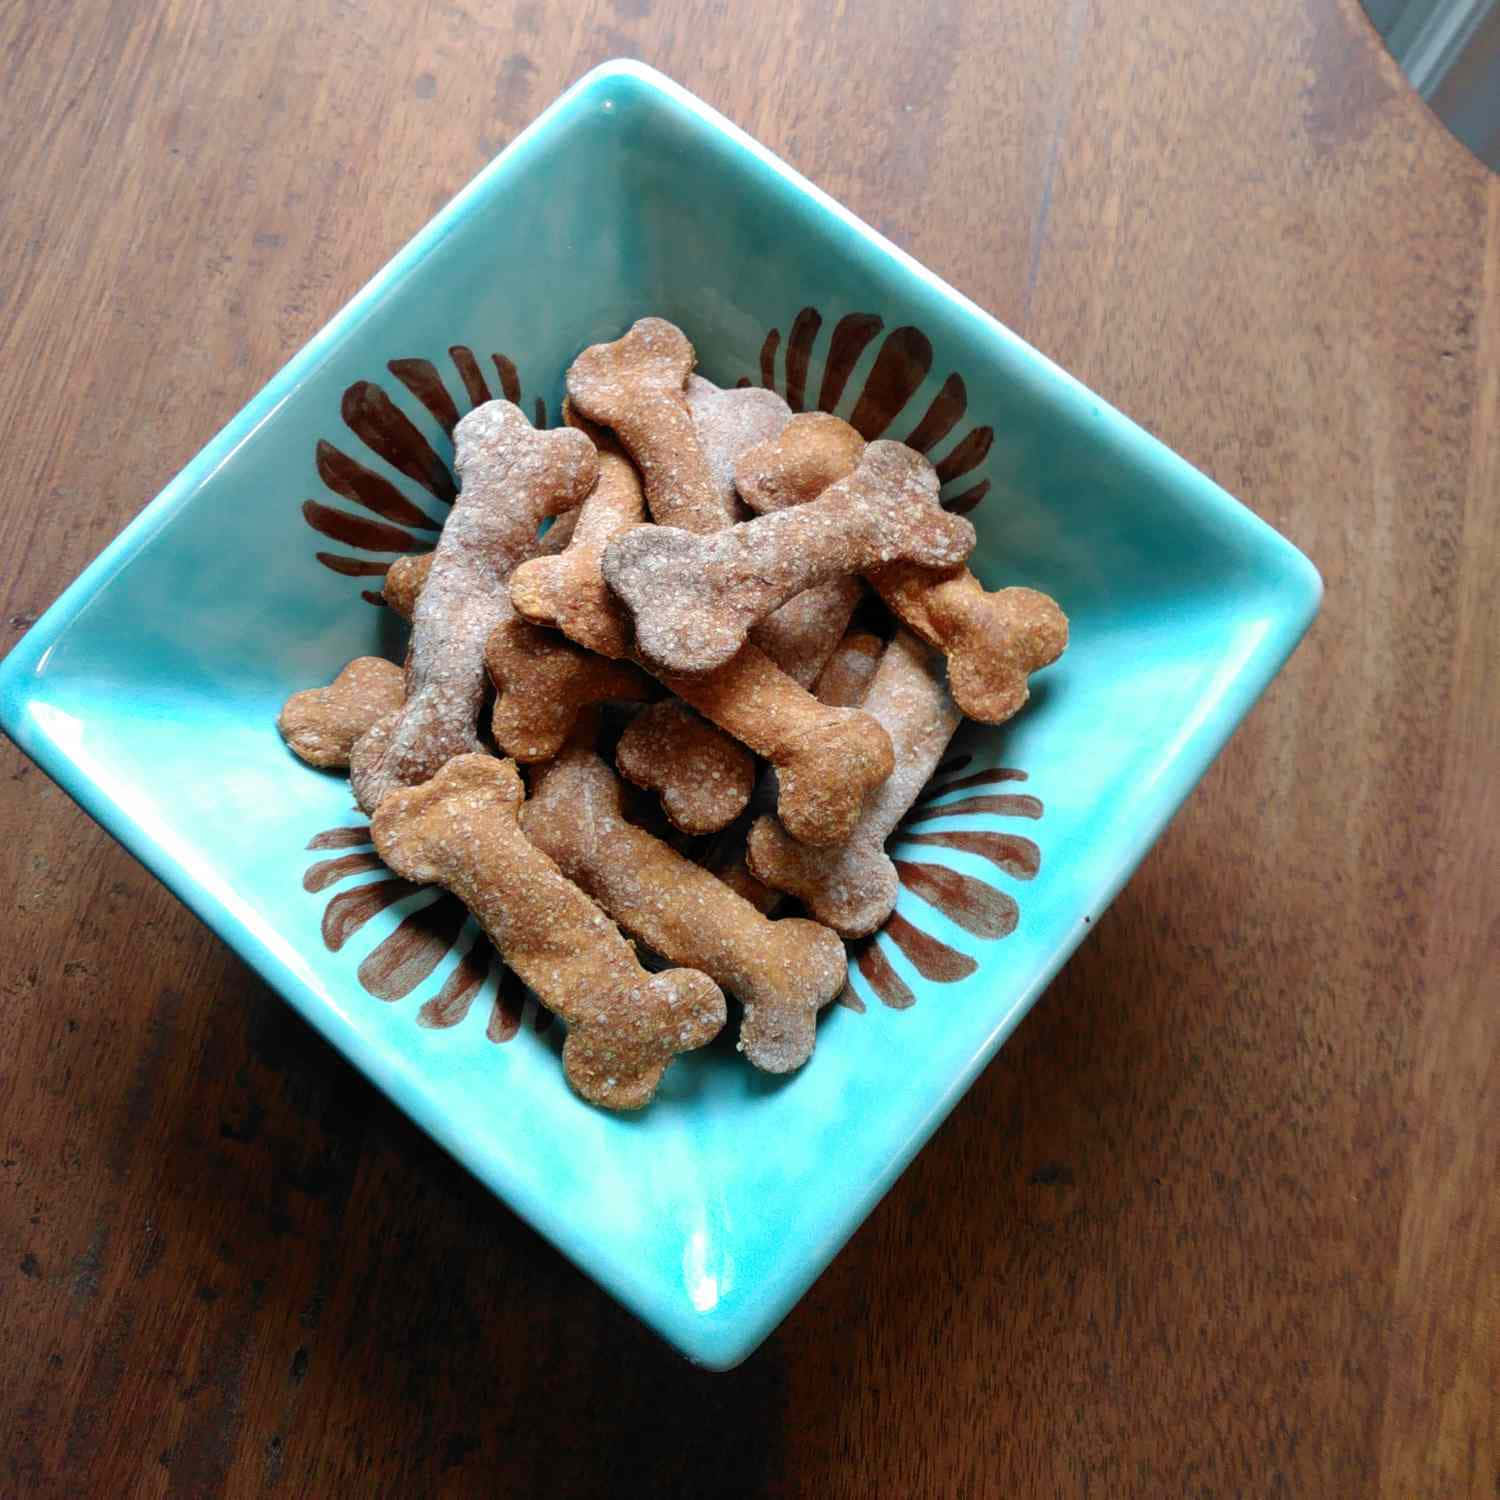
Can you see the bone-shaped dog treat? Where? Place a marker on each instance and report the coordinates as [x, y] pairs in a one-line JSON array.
[[704, 777], [842, 683], [812, 451], [728, 424], [730, 869], [853, 888], [784, 972], [751, 699], [460, 831], [635, 386], [799, 636], [322, 724], [542, 681], [695, 598], [568, 591], [993, 641], [513, 477], [827, 759]]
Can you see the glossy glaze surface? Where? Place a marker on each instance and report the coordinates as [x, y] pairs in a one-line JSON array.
[[150, 690]]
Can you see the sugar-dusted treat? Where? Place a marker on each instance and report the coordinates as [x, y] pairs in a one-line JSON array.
[[625, 1026], [405, 580], [695, 598], [406, 577], [513, 477], [728, 424], [801, 635], [845, 680], [993, 641], [784, 972], [811, 452]]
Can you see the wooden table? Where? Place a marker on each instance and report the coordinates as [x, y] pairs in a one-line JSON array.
[[1222, 1218]]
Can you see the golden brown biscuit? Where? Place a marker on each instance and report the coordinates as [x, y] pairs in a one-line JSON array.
[[322, 724], [827, 760], [703, 776], [993, 640], [814, 450], [853, 887], [842, 683], [542, 682], [567, 591], [784, 972], [625, 1026], [635, 387]]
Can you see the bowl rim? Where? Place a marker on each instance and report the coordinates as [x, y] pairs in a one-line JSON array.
[[723, 1341]]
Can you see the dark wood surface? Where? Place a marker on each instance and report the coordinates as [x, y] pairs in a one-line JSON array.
[[1222, 1218]]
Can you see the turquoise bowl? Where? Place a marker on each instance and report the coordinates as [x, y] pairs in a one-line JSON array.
[[150, 689]]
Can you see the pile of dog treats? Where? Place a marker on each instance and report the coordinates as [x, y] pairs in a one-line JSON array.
[[707, 555]]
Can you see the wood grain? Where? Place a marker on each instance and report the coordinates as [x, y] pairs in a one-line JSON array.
[[1222, 1218]]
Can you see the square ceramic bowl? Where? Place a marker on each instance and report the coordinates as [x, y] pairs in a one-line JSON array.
[[150, 689]]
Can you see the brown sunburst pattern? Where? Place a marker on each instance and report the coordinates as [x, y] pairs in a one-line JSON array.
[[901, 365], [410, 954], [975, 905], [885, 406], [427, 934], [394, 520]]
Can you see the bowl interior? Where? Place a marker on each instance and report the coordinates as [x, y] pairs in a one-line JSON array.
[[152, 693]]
